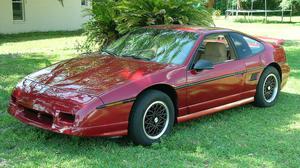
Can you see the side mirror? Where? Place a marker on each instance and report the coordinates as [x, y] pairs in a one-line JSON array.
[[203, 64]]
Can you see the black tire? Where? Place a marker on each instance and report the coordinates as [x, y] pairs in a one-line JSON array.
[[148, 110], [267, 93]]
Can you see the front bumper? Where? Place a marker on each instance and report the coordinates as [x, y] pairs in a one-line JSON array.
[[53, 123], [66, 112]]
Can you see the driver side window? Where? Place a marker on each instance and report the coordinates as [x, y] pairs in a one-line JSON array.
[[216, 49]]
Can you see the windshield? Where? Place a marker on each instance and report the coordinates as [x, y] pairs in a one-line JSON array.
[[162, 46]]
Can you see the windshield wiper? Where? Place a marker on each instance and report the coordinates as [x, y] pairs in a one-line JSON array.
[[109, 52], [136, 57]]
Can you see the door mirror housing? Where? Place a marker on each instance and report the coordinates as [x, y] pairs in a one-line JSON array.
[[203, 65]]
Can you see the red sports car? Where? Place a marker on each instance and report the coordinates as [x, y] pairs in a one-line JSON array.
[[150, 79]]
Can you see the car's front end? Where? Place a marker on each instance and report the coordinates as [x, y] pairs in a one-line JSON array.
[[43, 106], [67, 112], [80, 96]]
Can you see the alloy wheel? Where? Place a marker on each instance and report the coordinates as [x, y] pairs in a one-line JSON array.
[[270, 87], [156, 120]]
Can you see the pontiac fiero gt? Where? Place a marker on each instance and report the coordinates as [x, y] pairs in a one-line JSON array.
[[148, 80]]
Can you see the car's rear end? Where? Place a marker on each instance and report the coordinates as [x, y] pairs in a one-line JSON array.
[[277, 57], [280, 58]]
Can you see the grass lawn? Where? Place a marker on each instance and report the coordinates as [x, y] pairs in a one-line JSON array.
[[287, 31], [242, 137]]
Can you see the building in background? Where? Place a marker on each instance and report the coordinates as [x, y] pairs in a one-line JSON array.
[[18, 16]]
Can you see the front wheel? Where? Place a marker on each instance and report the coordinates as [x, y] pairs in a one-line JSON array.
[[268, 88], [152, 117]]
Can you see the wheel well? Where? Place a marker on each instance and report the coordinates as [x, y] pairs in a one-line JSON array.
[[275, 65], [167, 89]]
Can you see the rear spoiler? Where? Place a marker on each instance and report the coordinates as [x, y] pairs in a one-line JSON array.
[[272, 40]]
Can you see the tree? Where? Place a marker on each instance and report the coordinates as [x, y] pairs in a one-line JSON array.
[[287, 4], [210, 3], [239, 4]]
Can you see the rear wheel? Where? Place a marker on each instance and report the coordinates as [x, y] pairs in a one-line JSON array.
[[268, 88], [151, 117]]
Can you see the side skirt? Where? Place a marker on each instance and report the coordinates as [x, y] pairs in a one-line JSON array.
[[214, 110]]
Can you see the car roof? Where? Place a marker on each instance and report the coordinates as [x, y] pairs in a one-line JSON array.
[[190, 28]]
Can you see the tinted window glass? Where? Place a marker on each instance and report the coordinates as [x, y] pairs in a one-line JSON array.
[[254, 45], [163, 46], [246, 46]]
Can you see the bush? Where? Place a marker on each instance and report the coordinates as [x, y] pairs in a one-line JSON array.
[[101, 28], [112, 18]]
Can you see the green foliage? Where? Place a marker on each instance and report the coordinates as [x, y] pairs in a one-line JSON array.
[[246, 4], [259, 4], [287, 4], [223, 5], [101, 29], [139, 13], [112, 18]]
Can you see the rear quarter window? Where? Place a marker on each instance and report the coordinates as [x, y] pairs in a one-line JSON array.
[[246, 46], [255, 46]]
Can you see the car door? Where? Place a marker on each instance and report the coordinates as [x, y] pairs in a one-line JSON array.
[[218, 86], [249, 51]]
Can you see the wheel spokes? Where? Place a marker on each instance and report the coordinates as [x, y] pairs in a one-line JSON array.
[[270, 88], [155, 119]]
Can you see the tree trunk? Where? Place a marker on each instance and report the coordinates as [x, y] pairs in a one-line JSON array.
[[239, 4], [210, 3]]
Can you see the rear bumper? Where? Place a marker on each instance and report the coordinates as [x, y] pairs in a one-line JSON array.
[[49, 122]]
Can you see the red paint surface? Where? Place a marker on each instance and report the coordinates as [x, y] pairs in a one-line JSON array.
[[76, 87]]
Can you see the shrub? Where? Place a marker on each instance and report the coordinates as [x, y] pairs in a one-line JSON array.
[[156, 12], [101, 28], [112, 18]]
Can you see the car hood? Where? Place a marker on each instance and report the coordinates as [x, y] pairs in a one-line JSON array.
[[94, 74]]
